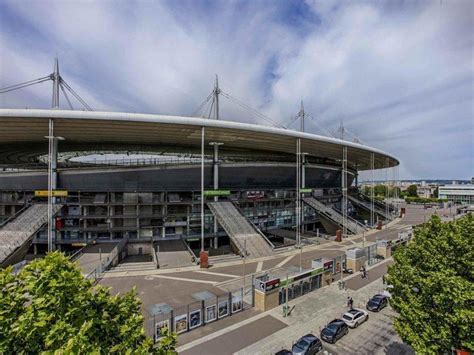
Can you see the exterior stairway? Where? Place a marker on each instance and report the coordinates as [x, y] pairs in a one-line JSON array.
[[365, 204], [239, 229], [336, 217], [17, 233]]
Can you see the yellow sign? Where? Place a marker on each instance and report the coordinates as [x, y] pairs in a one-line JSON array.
[[54, 193]]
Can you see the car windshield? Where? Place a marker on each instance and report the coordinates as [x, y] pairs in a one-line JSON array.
[[376, 300], [332, 328], [302, 344], [347, 317]]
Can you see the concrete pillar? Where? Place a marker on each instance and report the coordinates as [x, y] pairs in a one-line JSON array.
[[215, 179]]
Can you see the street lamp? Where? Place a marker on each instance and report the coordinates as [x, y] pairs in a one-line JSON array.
[[52, 165]]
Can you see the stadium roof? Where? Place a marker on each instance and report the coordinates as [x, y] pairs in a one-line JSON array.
[[22, 131]]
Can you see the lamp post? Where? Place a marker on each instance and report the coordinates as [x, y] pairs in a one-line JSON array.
[[52, 178]]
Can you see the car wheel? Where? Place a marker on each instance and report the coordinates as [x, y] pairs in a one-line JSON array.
[[356, 325]]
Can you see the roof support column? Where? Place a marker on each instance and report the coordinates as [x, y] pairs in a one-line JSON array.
[[298, 191], [52, 182], [372, 168], [344, 191], [202, 187], [216, 183], [387, 189]]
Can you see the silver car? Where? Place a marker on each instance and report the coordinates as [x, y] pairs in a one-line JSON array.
[[355, 317]]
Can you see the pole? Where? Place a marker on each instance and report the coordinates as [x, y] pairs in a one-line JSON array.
[[202, 187], [302, 117], [372, 168], [287, 285], [243, 263], [216, 94], [50, 185], [301, 257], [56, 84]]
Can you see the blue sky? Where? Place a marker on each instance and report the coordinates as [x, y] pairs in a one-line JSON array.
[[399, 74]]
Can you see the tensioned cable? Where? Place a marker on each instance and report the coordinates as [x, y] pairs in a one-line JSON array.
[[251, 110], [25, 84], [293, 120], [206, 100], [324, 130], [80, 99], [65, 95], [210, 109]]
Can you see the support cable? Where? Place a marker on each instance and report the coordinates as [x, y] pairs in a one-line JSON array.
[[206, 100], [210, 109], [80, 99], [24, 85], [251, 110], [65, 95]]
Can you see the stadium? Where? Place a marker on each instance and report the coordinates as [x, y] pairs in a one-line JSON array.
[[196, 184]]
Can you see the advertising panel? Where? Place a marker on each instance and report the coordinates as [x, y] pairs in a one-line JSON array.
[[236, 304], [195, 319], [211, 313], [160, 328], [181, 323], [223, 309]]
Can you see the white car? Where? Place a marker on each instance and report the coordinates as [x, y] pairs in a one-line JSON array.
[[355, 317]]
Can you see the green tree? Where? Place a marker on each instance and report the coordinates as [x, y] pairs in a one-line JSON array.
[[433, 290], [412, 191], [49, 307]]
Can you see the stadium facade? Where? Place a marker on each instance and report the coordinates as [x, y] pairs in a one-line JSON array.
[[243, 171]]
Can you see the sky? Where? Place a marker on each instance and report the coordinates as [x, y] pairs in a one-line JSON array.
[[399, 75]]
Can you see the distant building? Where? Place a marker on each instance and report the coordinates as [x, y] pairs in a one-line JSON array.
[[462, 194]]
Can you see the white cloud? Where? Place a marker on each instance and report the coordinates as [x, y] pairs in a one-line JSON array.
[[400, 75]]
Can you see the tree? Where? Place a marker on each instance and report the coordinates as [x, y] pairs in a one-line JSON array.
[[49, 307], [433, 289], [412, 191]]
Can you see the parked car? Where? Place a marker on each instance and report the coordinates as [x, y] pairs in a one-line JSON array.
[[377, 302], [334, 331], [355, 317], [284, 352], [306, 345], [348, 271]]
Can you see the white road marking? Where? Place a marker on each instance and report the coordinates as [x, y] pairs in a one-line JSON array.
[[185, 279], [218, 274], [283, 262], [259, 266]]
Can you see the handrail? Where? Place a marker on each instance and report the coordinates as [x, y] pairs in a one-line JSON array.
[[254, 226], [9, 219], [193, 256]]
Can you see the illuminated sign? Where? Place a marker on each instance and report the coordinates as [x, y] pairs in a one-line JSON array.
[[216, 192], [54, 193]]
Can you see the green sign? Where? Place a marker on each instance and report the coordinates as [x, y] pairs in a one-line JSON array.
[[306, 190], [301, 276], [216, 192]]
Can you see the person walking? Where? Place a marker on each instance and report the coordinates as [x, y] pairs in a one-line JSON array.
[[350, 303]]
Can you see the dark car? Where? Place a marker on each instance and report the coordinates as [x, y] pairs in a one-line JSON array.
[[306, 345], [284, 352], [377, 302], [334, 331]]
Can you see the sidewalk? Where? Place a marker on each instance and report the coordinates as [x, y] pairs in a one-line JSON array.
[[270, 332]]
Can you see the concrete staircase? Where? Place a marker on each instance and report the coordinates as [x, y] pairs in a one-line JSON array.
[[336, 217], [364, 202], [133, 267], [242, 232], [17, 233]]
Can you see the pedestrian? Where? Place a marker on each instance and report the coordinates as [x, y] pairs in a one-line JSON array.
[[362, 272], [351, 302]]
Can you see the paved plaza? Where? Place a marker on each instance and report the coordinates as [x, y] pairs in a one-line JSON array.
[[252, 331]]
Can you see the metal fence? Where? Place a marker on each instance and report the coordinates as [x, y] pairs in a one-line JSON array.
[[196, 314]]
